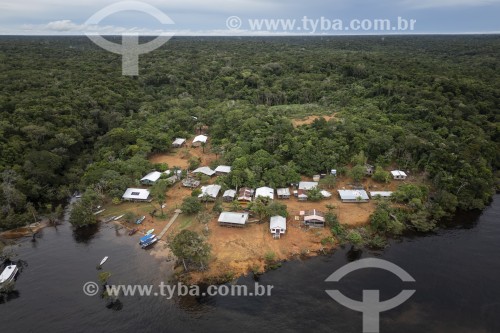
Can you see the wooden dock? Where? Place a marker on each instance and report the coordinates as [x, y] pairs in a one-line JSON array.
[[172, 220]]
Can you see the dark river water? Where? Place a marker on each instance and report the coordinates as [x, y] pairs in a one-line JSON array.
[[457, 273]]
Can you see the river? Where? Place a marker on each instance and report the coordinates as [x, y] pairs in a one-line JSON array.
[[457, 273]]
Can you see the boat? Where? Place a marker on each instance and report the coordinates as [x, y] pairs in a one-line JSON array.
[[140, 220], [109, 219], [119, 217], [148, 240], [8, 274], [99, 211], [150, 231], [133, 231], [103, 261]]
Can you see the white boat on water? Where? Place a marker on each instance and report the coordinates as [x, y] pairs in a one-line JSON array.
[[119, 217], [8, 274], [103, 261]]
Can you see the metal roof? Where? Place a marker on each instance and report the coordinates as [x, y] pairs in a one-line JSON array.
[[152, 176], [307, 185], [200, 138], [266, 192], [205, 170], [179, 141], [223, 168], [232, 217], [384, 194], [283, 191], [210, 190], [326, 194], [136, 194], [398, 173], [353, 194], [229, 193], [277, 222]]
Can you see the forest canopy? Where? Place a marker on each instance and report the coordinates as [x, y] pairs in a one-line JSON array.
[[70, 121]]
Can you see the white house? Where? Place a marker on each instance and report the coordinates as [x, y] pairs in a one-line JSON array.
[[398, 175], [151, 178], [353, 196], [136, 194], [179, 142], [223, 169], [277, 226], [232, 219], [265, 192], [199, 140], [205, 170], [209, 192]]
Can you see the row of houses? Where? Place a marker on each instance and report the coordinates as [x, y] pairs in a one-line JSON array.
[[277, 224], [197, 141]]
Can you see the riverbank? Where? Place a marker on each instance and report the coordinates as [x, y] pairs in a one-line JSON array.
[[27, 231]]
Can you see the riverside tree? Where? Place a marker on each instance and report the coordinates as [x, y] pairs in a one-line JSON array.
[[191, 249]]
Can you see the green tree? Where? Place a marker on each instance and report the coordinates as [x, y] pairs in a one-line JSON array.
[[158, 193], [380, 175], [357, 173], [191, 205], [190, 248]]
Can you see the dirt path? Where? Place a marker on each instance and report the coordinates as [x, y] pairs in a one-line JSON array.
[[172, 220]]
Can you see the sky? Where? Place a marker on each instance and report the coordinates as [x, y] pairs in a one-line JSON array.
[[248, 17]]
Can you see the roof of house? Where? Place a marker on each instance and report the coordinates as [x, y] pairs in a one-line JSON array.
[[314, 215], [278, 222], [307, 185], [230, 193], [179, 141], [245, 193], [265, 191], [383, 194], [397, 173], [301, 193], [353, 194], [205, 170], [200, 138], [326, 194], [232, 217], [210, 190], [136, 194], [223, 168], [152, 176], [283, 191]]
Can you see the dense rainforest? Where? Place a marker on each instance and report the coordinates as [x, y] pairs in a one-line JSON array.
[[429, 104]]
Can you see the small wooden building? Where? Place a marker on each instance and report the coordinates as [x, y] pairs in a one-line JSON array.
[[398, 175], [283, 193], [229, 195], [178, 143], [245, 195], [314, 218]]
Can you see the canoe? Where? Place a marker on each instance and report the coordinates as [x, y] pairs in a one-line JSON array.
[[133, 231], [150, 231], [103, 261], [119, 217], [109, 219], [8, 274], [139, 221]]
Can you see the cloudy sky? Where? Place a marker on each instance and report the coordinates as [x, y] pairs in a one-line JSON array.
[[244, 17]]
